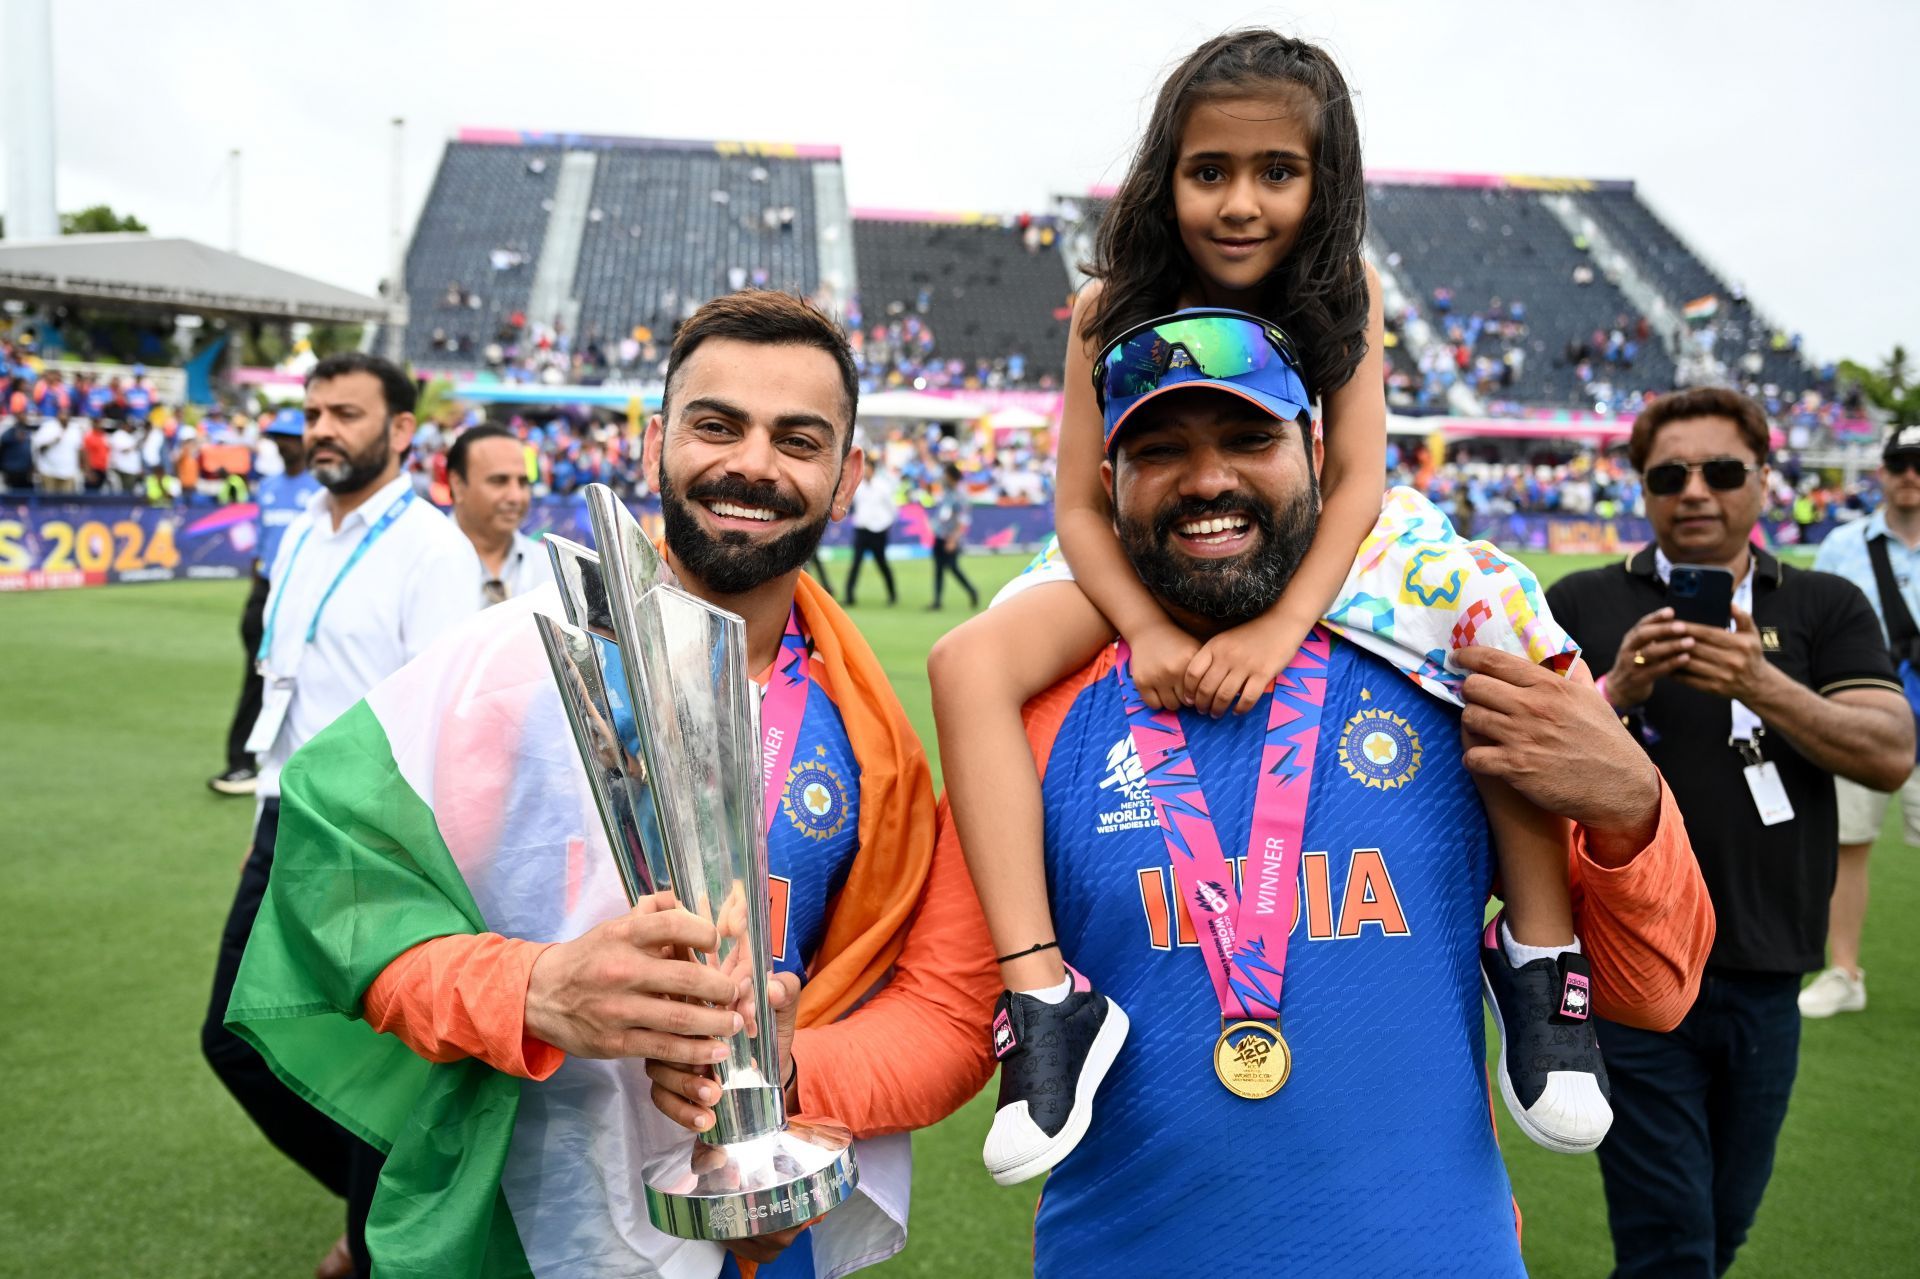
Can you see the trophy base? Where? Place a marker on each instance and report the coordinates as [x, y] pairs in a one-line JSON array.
[[755, 1187]]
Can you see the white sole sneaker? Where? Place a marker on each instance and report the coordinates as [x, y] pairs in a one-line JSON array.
[[1017, 1150], [1833, 992], [1571, 1116]]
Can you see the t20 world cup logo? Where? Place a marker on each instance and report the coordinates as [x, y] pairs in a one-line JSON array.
[[1210, 897]]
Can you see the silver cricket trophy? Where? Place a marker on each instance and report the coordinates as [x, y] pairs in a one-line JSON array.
[[656, 689]]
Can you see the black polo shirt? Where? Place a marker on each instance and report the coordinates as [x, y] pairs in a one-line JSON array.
[[1770, 884]]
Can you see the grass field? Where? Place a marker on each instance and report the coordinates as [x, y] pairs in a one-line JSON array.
[[123, 1156]]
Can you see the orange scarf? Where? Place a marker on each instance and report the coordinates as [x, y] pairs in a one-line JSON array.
[[867, 921]]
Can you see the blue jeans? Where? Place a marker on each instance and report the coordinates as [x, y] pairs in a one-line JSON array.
[[1696, 1113]]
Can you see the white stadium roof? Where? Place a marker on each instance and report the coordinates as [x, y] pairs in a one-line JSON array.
[[122, 269]]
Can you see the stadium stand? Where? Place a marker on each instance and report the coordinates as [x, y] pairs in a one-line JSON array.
[[1666, 261], [581, 238], [1483, 248], [669, 229], [486, 200], [988, 288], [572, 257]]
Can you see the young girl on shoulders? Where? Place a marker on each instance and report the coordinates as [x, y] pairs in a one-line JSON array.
[[1246, 193]]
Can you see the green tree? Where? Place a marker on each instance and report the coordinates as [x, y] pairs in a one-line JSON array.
[[437, 403], [263, 345], [96, 219], [331, 339], [1890, 386]]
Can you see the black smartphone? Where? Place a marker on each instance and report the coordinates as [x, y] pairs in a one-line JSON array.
[[1701, 593]]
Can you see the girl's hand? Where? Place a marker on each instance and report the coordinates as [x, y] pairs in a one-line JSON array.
[[1161, 659], [1234, 669]]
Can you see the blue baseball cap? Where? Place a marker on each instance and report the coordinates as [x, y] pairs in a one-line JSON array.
[[286, 422], [1200, 347]]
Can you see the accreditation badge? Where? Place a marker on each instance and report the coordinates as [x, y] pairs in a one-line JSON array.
[[1252, 1059], [275, 699]]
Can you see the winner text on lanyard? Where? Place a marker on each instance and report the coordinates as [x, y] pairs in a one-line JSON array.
[[277, 695], [781, 711], [1243, 935]]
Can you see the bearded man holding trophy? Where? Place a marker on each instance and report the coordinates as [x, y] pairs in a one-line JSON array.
[[451, 963]]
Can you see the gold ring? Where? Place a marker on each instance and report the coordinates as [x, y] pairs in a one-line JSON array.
[[1639, 659]]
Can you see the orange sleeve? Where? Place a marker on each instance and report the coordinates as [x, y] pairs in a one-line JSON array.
[[920, 1048], [463, 996], [1646, 927]]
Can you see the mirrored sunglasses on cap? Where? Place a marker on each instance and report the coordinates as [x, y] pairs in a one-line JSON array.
[[1231, 350]]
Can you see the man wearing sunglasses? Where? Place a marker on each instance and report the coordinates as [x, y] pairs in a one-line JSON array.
[[1750, 724], [1883, 548]]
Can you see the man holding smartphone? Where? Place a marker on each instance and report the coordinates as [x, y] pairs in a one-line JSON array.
[[1750, 713]]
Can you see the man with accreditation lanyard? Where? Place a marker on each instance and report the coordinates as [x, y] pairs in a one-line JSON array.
[[364, 579], [1750, 721], [1305, 1084]]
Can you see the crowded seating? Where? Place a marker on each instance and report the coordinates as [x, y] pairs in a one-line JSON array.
[[663, 228], [952, 303], [1518, 301]]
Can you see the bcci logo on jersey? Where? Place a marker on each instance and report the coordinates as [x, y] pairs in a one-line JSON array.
[[1379, 750], [815, 799], [1125, 782]]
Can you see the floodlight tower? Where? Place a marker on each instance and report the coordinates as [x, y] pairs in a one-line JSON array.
[[396, 329], [31, 213]]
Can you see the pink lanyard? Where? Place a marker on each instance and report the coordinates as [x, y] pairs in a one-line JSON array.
[[1243, 939], [781, 711]]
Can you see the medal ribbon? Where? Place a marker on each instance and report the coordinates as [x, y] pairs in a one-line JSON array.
[[1243, 937], [782, 709]]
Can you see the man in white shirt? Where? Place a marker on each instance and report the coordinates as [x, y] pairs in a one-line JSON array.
[[487, 469], [56, 450], [153, 449], [873, 516], [364, 580], [128, 473]]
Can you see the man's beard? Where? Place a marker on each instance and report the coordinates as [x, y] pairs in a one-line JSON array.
[[356, 471], [1227, 591], [733, 563]]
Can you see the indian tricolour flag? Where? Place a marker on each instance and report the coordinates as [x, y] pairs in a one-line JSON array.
[[1702, 308], [452, 800]]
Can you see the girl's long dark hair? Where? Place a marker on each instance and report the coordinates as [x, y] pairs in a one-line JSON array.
[[1319, 293]]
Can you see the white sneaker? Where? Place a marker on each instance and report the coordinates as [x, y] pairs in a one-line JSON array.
[[1835, 990]]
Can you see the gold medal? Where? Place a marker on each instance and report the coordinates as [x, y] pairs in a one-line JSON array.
[[1252, 1059]]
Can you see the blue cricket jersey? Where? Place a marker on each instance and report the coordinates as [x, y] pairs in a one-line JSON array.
[[1378, 1156], [810, 847]]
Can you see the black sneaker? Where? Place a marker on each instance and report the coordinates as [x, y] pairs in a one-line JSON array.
[[235, 781], [1052, 1060], [1551, 1073]]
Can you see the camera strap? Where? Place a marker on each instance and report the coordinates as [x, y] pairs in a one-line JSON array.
[[1901, 631]]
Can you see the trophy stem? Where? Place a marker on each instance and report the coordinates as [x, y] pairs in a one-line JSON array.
[[662, 710], [745, 1111]]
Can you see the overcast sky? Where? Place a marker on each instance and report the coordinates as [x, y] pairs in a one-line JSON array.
[[1779, 138]]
